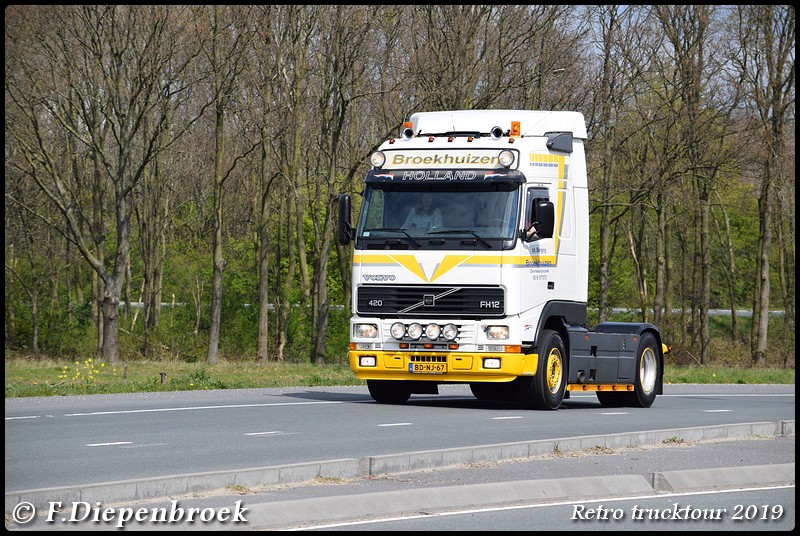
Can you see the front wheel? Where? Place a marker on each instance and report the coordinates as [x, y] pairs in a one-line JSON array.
[[389, 391], [546, 389]]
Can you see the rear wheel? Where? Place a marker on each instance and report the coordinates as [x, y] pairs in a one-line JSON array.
[[389, 391], [546, 389], [648, 372]]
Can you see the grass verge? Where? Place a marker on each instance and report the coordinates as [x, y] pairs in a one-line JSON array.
[[47, 377]]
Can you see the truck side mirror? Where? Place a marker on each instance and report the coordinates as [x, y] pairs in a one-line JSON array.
[[545, 218], [344, 231]]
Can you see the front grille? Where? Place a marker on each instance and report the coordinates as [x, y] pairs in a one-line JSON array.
[[430, 301], [427, 359]]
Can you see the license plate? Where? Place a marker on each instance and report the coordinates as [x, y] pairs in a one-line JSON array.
[[428, 368]]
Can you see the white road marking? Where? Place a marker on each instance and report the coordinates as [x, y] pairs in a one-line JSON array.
[[277, 432], [191, 408], [398, 424], [109, 444], [717, 410], [504, 418], [26, 417]]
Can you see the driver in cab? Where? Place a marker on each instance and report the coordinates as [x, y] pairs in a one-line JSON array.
[[424, 217]]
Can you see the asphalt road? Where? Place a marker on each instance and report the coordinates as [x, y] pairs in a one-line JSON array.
[[265, 443]]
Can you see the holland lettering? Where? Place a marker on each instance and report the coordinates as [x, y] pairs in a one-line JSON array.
[[439, 175]]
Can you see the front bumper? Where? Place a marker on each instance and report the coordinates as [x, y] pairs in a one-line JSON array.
[[442, 367]]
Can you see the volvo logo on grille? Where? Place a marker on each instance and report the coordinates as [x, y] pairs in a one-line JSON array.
[[428, 300], [379, 277]]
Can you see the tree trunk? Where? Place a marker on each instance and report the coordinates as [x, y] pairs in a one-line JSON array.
[[9, 296], [286, 287], [705, 278], [302, 258], [660, 264], [731, 271], [218, 266], [321, 306], [263, 207], [762, 284]]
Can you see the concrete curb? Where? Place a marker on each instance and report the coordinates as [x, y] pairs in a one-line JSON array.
[[725, 477], [326, 510], [428, 500], [153, 488]]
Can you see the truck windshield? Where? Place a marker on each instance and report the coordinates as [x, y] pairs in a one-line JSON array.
[[480, 213]]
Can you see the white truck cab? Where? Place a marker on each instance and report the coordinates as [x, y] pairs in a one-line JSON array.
[[470, 265]]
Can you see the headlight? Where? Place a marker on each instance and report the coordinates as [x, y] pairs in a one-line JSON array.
[[415, 331], [506, 158], [397, 330], [450, 332], [432, 331], [377, 159], [497, 333], [366, 331]]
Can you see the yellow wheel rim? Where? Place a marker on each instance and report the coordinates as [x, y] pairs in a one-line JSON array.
[[554, 371]]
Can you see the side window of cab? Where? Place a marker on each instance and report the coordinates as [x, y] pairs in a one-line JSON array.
[[532, 198]]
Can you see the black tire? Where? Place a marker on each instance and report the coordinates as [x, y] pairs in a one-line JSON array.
[[648, 372], [389, 391], [648, 376], [546, 390]]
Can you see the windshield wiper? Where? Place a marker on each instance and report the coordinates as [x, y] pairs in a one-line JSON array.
[[396, 230], [470, 231]]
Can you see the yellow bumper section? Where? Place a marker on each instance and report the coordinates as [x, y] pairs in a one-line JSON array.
[[441, 366], [600, 387]]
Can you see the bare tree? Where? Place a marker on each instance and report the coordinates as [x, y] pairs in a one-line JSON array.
[[291, 36], [342, 67], [87, 69], [688, 31], [229, 33], [31, 263], [263, 73], [765, 59]]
